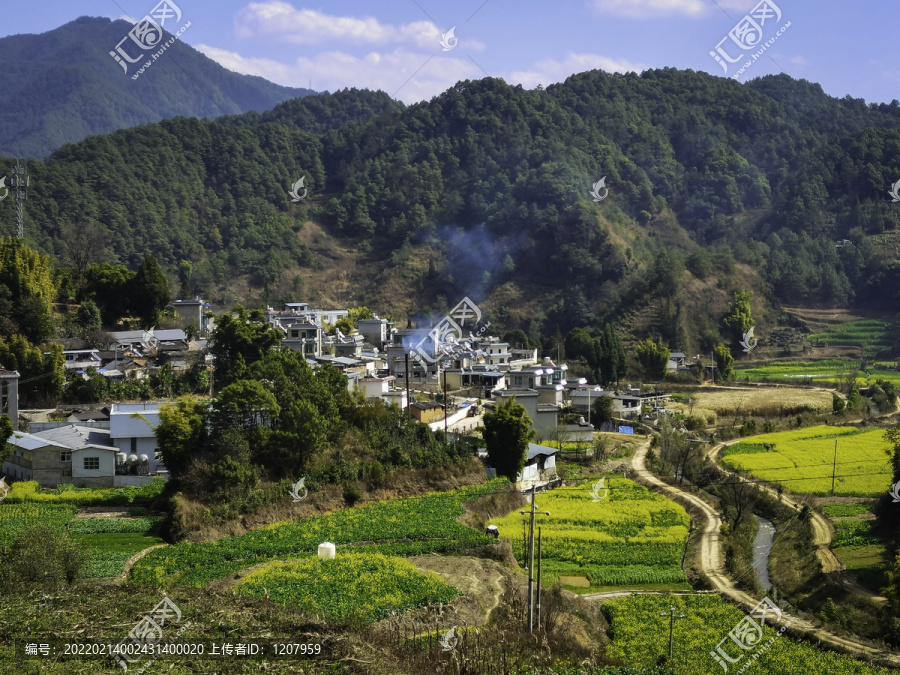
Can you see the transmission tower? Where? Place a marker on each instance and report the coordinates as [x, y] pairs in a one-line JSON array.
[[20, 182]]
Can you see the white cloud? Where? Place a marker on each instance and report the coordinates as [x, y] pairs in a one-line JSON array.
[[282, 22], [550, 71], [408, 76], [651, 9]]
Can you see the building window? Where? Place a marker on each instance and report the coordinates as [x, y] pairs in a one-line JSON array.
[[91, 463], [65, 457]]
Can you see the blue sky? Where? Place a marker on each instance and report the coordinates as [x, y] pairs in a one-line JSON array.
[[848, 48]]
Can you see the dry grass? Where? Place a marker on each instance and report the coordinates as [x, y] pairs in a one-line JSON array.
[[756, 401]]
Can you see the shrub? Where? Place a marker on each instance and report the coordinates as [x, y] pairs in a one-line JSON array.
[[352, 493], [376, 474], [41, 556]]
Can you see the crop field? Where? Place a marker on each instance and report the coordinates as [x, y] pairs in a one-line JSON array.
[[853, 532], [631, 537], [640, 636], [845, 510], [359, 586], [30, 491], [725, 401], [802, 460], [402, 527], [825, 372], [869, 333], [110, 542]]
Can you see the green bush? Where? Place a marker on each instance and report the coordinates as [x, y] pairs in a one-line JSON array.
[[43, 557], [352, 493]]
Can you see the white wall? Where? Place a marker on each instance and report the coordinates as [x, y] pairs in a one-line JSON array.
[[107, 462]]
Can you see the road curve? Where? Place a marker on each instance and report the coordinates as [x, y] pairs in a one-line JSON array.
[[711, 562], [822, 537]]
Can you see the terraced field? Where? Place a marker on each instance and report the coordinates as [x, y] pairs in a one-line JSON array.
[[631, 537], [803, 460], [872, 334], [824, 372]]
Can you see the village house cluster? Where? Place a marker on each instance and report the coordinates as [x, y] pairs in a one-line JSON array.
[[115, 445]]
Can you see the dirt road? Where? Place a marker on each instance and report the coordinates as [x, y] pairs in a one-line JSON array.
[[711, 562], [822, 537]]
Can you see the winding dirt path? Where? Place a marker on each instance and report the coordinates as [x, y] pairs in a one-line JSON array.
[[711, 562], [823, 533]]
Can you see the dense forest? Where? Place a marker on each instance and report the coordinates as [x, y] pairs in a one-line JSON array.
[[494, 182]]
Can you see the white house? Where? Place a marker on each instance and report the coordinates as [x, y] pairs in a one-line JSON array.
[[540, 468], [132, 430]]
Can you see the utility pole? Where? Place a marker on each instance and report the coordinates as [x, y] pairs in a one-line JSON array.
[[445, 403], [833, 467], [672, 617], [539, 580], [20, 181], [408, 401], [530, 554]]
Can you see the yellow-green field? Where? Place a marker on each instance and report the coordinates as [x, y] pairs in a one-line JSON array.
[[802, 460], [631, 537]]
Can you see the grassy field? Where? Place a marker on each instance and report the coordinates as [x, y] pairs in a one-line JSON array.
[[802, 460], [821, 372], [631, 537], [641, 636]]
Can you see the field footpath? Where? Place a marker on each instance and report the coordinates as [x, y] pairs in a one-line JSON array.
[[711, 563]]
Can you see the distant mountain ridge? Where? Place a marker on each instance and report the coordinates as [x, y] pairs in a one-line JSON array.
[[62, 86]]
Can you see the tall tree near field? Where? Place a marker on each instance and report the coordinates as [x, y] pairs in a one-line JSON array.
[[150, 292], [240, 340], [653, 356], [724, 362], [507, 432], [892, 436], [181, 433], [740, 320]]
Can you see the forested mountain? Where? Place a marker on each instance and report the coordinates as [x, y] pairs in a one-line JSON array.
[[61, 86], [486, 190]]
